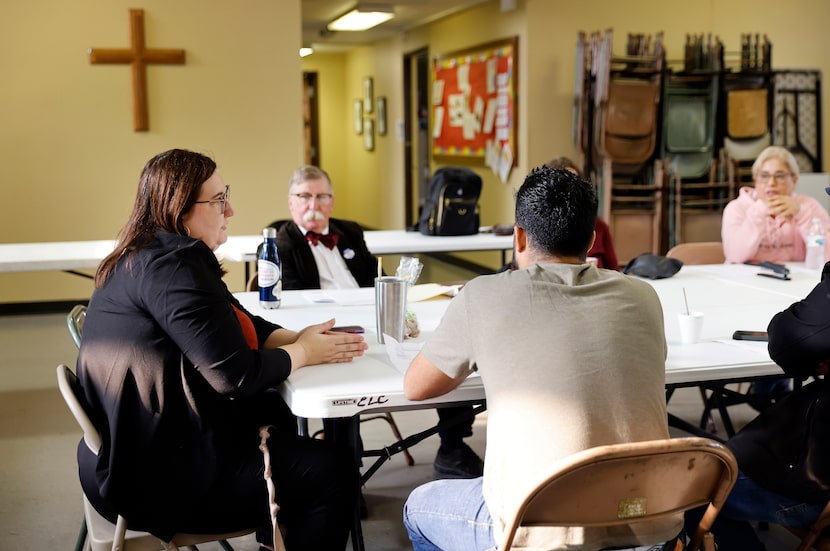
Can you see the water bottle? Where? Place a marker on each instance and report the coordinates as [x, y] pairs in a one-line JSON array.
[[815, 245], [269, 274]]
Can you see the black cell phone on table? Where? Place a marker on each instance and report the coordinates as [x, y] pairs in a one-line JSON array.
[[348, 329], [750, 336]]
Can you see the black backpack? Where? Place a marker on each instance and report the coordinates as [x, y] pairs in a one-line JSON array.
[[451, 205]]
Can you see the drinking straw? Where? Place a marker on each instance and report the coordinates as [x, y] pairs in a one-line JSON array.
[[686, 301], [380, 266]]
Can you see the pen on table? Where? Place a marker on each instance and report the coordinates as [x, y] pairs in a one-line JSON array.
[[783, 277]]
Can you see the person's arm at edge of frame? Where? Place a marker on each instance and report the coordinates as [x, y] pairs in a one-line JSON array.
[[424, 380], [798, 336]]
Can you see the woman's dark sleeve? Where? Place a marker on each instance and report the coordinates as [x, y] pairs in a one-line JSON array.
[[186, 295], [799, 337]]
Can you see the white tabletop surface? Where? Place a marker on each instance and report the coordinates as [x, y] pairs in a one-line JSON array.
[[731, 297], [242, 248]]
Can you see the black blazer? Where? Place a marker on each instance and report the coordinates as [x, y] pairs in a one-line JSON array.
[[799, 337], [171, 383], [299, 270]]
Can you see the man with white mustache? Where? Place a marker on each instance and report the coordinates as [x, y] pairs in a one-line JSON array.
[[312, 261], [315, 250]]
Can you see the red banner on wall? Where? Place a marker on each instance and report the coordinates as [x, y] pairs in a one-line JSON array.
[[474, 104]]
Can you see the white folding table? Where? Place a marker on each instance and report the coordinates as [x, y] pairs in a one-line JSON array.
[[67, 256], [242, 248], [731, 297]]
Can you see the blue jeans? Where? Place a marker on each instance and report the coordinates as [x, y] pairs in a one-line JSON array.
[[449, 515], [749, 501]]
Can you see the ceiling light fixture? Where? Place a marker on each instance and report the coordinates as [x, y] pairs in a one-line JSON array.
[[306, 51], [361, 18]]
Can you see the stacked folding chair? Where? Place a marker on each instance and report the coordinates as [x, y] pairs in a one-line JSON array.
[[626, 93], [698, 191], [797, 116], [747, 103]]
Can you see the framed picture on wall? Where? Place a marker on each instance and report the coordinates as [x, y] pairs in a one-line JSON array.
[[368, 134], [382, 116], [368, 93], [358, 116]]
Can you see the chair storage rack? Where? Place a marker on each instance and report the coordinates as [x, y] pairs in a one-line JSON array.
[[669, 143]]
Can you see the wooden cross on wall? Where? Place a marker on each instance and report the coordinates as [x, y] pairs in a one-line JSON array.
[[138, 57]]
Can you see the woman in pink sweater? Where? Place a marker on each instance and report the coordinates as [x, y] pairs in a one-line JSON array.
[[769, 221]]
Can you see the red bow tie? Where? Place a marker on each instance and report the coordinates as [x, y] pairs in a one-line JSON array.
[[329, 240]]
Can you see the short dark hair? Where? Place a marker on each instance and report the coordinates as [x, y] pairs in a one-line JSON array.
[[558, 210]]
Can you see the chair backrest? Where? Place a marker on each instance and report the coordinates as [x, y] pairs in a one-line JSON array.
[[703, 252], [102, 534], [632, 483], [73, 396], [253, 282], [75, 321]]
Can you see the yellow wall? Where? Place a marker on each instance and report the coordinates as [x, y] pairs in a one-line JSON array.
[[71, 159]]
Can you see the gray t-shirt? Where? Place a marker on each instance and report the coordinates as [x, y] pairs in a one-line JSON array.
[[571, 357]]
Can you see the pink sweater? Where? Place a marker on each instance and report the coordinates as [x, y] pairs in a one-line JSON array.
[[750, 233]]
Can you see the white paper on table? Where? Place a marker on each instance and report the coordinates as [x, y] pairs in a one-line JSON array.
[[318, 297], [758, 346], [425, 291], [344, 297], [401, 353]]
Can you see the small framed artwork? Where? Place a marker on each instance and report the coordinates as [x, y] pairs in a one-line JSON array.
[[368, 93], [368, 134], [382, 116], [358, 116]]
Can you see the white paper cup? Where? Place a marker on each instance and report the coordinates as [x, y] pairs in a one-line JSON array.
[[691, 326]]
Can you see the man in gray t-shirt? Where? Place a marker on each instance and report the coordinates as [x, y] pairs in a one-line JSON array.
[[571, 357]]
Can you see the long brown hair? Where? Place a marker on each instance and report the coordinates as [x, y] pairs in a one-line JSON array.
[[170, 182]]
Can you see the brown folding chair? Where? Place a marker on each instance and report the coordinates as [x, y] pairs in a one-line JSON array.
[[100, 534], [632, 483], [703, 252]]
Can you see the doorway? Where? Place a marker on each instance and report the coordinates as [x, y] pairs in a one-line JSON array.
[[416, 132], [311, 121]]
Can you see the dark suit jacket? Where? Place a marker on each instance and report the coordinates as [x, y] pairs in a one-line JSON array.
[[299, 270]]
